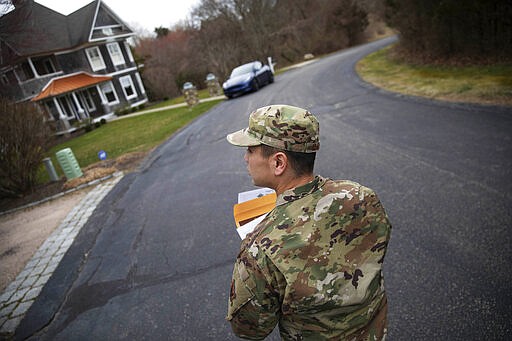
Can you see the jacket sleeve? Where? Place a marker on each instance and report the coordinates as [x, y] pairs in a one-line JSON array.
[[254, 307]]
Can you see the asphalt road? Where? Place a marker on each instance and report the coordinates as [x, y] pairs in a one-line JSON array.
[[155, 260]]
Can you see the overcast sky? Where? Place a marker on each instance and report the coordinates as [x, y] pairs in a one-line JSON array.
[[147, 14]]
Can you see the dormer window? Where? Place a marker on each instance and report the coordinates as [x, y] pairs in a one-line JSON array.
[[95, 58], [107, 31]]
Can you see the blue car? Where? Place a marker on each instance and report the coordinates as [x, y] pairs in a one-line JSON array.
[[247, 77]]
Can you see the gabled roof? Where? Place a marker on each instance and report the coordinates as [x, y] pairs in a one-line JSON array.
[[104, 16], [62, 85], [80, 22], [33, 29]]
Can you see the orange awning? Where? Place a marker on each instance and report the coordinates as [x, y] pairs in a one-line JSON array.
[[65, 84]]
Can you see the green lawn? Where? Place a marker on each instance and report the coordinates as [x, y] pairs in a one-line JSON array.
[[130, 134], [202, 94], [476, 84], [489, 84]]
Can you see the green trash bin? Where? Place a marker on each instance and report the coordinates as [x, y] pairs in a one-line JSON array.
[[69, 164]]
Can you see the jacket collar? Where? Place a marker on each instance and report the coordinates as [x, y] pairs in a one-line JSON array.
[[300, 191]]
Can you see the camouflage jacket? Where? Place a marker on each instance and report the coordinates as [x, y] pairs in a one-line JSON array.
[[313, 265]]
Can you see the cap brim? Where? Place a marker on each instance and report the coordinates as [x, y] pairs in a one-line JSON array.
[[242, 139]]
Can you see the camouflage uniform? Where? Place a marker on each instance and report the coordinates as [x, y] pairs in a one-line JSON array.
[[313, 265], [280, 126]]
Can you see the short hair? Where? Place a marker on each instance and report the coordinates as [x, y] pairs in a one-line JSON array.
[[301, 163]]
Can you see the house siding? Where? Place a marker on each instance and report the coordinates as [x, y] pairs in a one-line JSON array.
[[11, 90], [73, 61], [66, 54], [32, 87]]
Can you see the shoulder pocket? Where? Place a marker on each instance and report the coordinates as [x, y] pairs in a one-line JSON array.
[[242, 289]]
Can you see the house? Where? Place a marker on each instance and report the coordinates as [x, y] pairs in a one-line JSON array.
[[76, 67]]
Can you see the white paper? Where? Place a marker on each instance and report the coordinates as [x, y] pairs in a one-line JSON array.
[[255, 193], [249, 227]]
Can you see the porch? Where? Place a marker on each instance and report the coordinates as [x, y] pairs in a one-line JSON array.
[[72, 99]]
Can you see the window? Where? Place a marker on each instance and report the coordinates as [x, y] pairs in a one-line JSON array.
[[95, 58], [48, 64], [115, 53], [110, 93], [28, 73], [10, 77], [139, 80], [129, 52], [128, 88], [44, 65]]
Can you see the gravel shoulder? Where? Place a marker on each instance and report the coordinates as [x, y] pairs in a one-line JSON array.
[[23, 231]]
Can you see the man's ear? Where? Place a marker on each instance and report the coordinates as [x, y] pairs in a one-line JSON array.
[[279, 163]]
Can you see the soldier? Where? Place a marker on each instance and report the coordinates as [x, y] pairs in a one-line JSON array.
[[314, 264]]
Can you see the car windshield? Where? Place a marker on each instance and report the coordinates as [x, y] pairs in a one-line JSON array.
[[243, 69]]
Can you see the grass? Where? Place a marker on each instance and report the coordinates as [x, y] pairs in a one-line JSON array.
[[474, 84], [130, 134]]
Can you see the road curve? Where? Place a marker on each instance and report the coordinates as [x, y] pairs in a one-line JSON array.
[[155, 259]]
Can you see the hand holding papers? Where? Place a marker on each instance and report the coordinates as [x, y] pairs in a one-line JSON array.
[[253, 206]]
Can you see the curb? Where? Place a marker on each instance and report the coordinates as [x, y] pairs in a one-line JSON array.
[[17, 298]]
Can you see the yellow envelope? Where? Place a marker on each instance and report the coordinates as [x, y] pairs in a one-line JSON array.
[[248, 210]]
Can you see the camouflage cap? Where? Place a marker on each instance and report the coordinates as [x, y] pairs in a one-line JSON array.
[[280, 126]]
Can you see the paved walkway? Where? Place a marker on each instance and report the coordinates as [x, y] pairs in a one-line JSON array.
[[23, 291], [173, 106]]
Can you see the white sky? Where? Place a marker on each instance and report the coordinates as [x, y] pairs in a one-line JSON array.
[[146, 14]]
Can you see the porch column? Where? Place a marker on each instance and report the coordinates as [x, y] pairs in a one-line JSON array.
[[57, 105], [16, 74], [80, 109], [36, 75], [103, 99], [63, 118], [104, 102]]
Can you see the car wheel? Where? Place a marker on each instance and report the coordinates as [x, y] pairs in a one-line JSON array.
[[270, 78], [255, 86]]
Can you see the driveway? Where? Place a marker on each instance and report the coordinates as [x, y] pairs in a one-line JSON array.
[[155, 259]]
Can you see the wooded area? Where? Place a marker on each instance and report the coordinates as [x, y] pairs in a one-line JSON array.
[[453, 31], [224, 33]]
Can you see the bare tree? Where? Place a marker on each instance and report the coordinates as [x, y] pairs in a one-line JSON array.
[[24, 135], [451, 30], [222, 34]]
